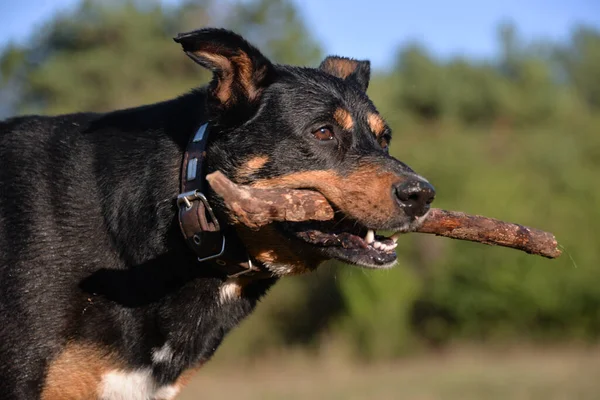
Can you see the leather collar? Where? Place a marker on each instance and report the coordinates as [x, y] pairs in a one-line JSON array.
[[214, 244]]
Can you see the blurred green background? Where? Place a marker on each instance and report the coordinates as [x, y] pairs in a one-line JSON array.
[[515, 136]]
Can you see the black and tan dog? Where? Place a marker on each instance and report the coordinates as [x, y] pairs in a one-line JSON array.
[[100, 294]]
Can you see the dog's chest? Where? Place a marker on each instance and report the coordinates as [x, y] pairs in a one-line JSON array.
[[169, 368], [142, 383], [134, 385]]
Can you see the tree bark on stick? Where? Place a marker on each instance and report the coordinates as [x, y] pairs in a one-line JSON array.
[[475, 228], [258, 207]]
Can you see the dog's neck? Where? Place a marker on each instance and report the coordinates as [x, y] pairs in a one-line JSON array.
[[159, 277]]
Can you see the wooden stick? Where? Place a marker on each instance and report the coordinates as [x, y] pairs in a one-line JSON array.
[[475, 228], [258, 207]]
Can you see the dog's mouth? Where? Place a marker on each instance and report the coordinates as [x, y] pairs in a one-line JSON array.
[[349, 241]]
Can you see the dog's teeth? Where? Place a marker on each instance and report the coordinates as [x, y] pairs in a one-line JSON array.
[[370, 236], [390, 247], [395, 237], [383, 246]]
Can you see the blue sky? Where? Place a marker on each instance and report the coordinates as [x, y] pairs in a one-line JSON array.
[[372, 29]]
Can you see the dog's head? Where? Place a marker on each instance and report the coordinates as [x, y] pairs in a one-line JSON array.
[[278, 126]]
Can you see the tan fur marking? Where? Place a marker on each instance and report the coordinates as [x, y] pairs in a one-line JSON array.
[[230, 290], [257, 162], [246, 73], [243, 74], [342, 68], [251, 166], [343, 118], [270, 247], [77, 371], [224, 88], [365, 193], [186, 376], [376, 123]]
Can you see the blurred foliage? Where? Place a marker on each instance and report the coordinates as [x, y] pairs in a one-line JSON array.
[[122, 54], [516, 137]]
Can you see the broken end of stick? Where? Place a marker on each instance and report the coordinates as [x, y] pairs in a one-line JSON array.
[[475, 228]]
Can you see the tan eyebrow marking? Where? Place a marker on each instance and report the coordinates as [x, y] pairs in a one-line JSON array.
[[376, 124], [343, 118]]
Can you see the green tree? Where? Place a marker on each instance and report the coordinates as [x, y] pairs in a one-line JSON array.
[[276, 27], [107, 55], [580, 61], [422, 81]]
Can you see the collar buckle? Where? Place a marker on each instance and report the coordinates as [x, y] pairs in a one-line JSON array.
[[198, 222], [186, 199], [245, 271], [185, 203]]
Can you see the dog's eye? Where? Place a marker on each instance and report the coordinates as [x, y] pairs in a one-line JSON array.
[[324, 133]]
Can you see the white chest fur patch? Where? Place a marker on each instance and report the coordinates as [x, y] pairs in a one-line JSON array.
[[134, 385], [280, 269], [163, 354], [230, 290]]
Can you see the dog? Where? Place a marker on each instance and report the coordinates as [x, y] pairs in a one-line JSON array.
[[108, 291]]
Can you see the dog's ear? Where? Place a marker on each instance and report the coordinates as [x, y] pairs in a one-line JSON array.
[[241, 72], [348, 69]]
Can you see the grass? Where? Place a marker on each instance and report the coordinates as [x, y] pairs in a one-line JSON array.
[[460, 373]]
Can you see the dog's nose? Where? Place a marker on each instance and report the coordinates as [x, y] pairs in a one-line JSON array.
[[415, 196]]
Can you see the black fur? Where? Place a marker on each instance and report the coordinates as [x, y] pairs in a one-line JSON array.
[[90, 248]]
